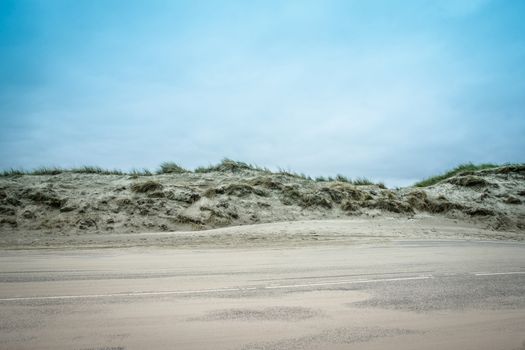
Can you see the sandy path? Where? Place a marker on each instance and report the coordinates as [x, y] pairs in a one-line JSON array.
[[292, 233]]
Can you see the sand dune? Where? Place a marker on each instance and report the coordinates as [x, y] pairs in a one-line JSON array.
[[71, 206]]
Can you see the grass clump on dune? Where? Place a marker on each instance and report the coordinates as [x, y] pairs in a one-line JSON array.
[[47, 171], [468, 167], [228, 165], [13, 172], [134, 173], [288, 172], [57, 171], [38, 171], [88, 169], [360, 181], [342, 178], [171, 168]]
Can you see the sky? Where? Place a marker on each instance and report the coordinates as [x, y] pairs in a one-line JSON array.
[[390, 90]]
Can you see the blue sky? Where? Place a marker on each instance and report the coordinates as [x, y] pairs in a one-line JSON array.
[[391, 90]]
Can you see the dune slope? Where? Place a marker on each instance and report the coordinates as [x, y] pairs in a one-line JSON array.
[[72, 203]]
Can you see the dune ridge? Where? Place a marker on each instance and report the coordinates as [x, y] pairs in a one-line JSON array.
[[77, 203]]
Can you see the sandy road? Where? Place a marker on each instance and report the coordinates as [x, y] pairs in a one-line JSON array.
[[404, 294]]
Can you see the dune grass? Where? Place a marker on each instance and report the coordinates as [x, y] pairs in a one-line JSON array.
[[288, 172], [457, 170], [36, 171], [13, 172], [229, 165], [171, 168], [225, 165], [139, 172], [360, 181], [95, 170], [47, 171], [57, 171]]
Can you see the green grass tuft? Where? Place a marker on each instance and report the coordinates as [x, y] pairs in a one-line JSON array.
[[95, 170], [342, 178], [47, 171], [357, 182], [13, 172], [457, 170], [362, 181], [140, 172]]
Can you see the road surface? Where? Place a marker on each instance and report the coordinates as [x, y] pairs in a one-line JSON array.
[[404, 294]]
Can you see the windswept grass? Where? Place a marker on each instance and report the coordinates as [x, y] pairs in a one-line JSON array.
[[80, 170], [140, 172], [360, 181], [87, 169], [13, 172], [457, 170], [47, 171], [171, 168], [288, 172], [57, 170], [342, 178], [95, 170], [225, 166], [228, 165]]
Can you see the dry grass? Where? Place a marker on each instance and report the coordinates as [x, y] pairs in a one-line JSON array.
[[468, 181], [171, 168], [95, 170], [58, 170], [148, 186], [228, 165]]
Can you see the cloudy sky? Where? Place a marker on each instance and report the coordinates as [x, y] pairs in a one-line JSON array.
[[391, 90]]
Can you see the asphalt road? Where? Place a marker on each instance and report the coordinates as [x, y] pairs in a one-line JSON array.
[[406, 295]]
